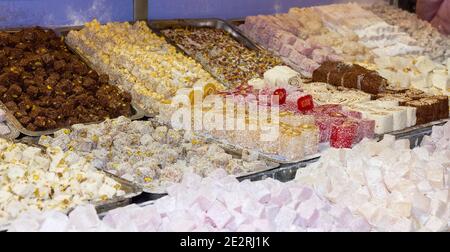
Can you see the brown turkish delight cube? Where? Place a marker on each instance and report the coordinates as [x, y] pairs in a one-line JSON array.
[[3, 90], [25, 120], [60, 66], [353, 78], [373, 83], [14, 91], [424, 111], [335, 76], [435, 107], [443, 106], [321, 73]]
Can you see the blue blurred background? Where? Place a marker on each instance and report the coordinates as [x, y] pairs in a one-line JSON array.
[[15, 13]]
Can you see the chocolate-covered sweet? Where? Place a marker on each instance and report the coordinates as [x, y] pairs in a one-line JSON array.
[[45, 86], [350, 76]]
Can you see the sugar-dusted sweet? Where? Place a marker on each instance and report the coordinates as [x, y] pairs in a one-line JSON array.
[[279, 76], [394, 188], [343, 135]]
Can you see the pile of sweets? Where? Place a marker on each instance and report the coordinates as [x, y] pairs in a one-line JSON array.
[[316, 31], [350, 76], [435, 44], [429, 108], [139, 61], [215, 203], [281, 35], [152, 156], [383, 39], [4, 128], [227, 59], [55, 180], [439, 139], [393, 187], [46, 86], [415, 72]]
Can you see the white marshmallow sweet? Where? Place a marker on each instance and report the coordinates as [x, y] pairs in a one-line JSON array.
[[439, 79], [408, 188], [279, 76]]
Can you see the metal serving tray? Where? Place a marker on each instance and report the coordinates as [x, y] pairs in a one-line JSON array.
[[137, 114], [159, 25], [232, 148], [160, 191], [131, 190], [14, 132], [416, 134], [12, 120]]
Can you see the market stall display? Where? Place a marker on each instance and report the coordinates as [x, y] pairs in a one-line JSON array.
[[50, 179], [230, 61], [393, 187], [312, 92], [146, 153], [139, 61], [46, 87]]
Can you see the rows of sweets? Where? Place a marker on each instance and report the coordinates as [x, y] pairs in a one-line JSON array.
[[151, 155], [81, 42], [435, 44], [35, 179], [313, 113], [230, 61], [403, 52], [377, 186], [45, 86], [140, 62]]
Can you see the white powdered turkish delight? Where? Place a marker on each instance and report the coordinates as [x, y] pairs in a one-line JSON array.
[[405, 190]]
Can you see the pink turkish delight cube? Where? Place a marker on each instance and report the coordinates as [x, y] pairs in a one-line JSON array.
[[343, 135], [303, 48], [286, 50]]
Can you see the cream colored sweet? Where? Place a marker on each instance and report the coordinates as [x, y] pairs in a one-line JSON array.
[[33, 180], [388, 115], [414, 72], [139, 61]]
